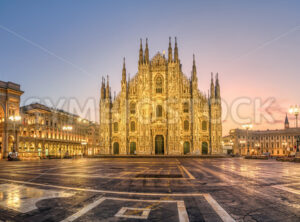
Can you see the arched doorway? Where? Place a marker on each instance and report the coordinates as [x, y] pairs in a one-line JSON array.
[[40, 153], [204, 148], [159, 144], [46, 150], [116, 148], [186, 148], [11, 141], [132, 148]]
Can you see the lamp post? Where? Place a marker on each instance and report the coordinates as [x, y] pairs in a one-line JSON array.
[[295, 111], [247, 127], [15, 119]]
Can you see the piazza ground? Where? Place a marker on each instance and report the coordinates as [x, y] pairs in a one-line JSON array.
[[150, 189]]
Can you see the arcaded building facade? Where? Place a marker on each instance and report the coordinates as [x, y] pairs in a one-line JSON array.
[[47, 132], [10, 94], [160, 110], [36, 131]]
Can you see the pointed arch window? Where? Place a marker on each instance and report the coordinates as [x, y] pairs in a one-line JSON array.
[[186, 125], [158, 111], [204, 125], [132, 108], [132, 126], [116, 127], [185, 107], [159, 84]]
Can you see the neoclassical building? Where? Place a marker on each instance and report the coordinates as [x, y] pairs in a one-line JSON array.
[[160, 110], [37, 131], [278, 142], [47, 132]]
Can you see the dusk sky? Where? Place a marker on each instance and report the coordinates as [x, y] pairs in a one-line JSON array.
[[56, 49]]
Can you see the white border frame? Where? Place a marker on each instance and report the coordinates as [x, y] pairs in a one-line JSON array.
[[122, 211]]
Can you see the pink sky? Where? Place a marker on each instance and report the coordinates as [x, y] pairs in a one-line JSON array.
[[59, 50]]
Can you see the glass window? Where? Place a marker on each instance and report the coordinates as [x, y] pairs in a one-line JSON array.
[[159, 85], [115, 127], [186, 107], [132, 126], [132, 108], [186, 125], [158, 111], [204, 125]]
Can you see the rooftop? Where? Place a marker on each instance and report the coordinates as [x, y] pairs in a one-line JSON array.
[[10, 85], [38, 106], [288, 130]]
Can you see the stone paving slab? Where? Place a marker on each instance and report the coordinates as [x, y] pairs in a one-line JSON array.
[[226, 189]]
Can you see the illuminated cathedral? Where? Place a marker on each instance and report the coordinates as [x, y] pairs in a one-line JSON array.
[[160, 111]]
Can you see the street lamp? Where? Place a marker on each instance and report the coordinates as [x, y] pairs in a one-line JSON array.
[[295, 111], [15, 119], [247, 127]]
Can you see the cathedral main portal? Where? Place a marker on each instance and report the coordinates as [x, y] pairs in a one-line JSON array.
[[159, 144]]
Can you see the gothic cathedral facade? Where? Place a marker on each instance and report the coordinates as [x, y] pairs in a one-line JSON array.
[[160, 110]]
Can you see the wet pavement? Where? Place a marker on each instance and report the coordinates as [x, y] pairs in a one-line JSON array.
[[150, 189]]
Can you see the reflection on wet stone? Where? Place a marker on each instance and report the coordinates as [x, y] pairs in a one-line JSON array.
[[23, 198]]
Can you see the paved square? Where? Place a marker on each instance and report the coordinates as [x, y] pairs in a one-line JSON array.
[[112, 208], [24, 198], [150, 189], [137, 213]]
